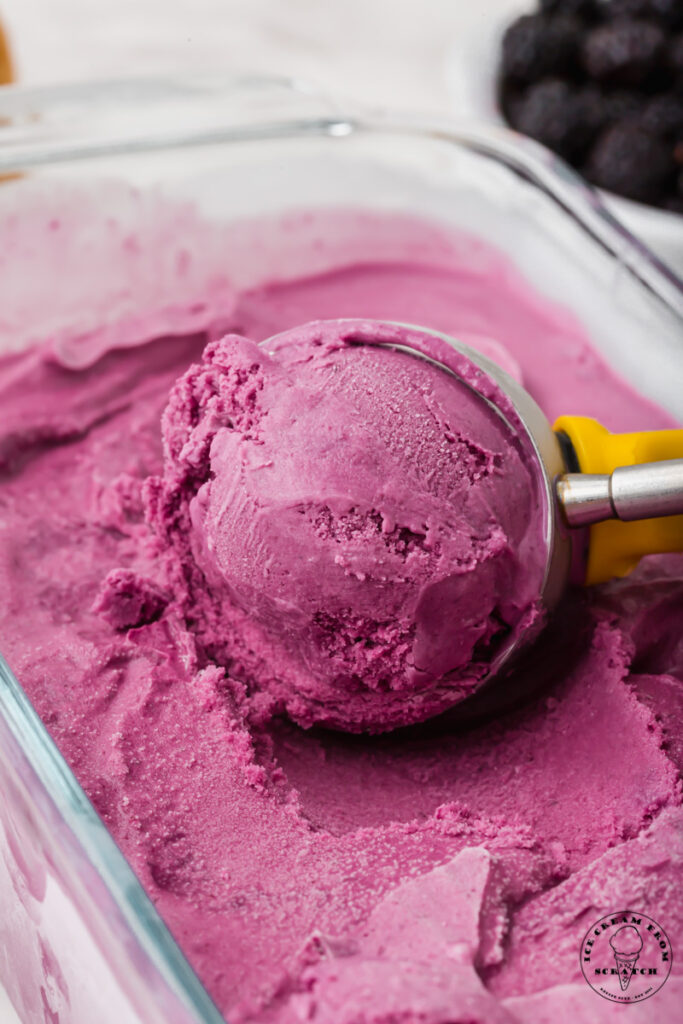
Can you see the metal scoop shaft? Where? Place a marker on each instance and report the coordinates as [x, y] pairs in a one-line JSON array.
[[647, 491]]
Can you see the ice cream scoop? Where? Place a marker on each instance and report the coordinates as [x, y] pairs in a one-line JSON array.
[[594, 477], [610, 498], [359, 530], [368, 518]]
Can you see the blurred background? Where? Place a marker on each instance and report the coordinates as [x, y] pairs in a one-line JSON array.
[[384, 51], [600, 82]]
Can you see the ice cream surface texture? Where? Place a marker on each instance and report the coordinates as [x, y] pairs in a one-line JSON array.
[[358, 527], [307, 874]]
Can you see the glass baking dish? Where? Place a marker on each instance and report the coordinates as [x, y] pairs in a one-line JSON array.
[[79, 939]]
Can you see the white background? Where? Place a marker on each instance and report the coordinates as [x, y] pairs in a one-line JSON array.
[[388, 51]]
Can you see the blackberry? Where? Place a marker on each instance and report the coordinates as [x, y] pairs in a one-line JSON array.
[[663, 116], [674, 203], [586, 9], [623, 8], [668, 13], [623, 53], [622, 105], [597, 109], [510, 99], [675, 59], [628, 160], [535, 46], [603, 109], [555, 113]]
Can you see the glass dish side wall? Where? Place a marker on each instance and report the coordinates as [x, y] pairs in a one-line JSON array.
[[81, 942], [251, 149]]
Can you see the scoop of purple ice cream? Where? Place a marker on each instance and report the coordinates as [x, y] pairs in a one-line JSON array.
[[358, 530]]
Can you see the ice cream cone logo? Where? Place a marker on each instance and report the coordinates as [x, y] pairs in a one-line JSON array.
[[626, 956], [626, 944]]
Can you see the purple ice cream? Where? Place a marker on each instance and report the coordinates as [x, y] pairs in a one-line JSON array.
[[359, 528], [310, 875]]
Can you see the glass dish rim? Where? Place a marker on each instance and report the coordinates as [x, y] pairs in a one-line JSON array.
[[522, 156], [334, 118]]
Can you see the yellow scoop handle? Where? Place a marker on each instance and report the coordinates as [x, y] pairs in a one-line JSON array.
[[615, 548]]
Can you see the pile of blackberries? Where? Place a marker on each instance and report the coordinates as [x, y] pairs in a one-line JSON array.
[[601, 83]]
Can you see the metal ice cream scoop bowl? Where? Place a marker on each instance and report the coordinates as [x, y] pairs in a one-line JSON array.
[[609, 498], [629, 484]]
